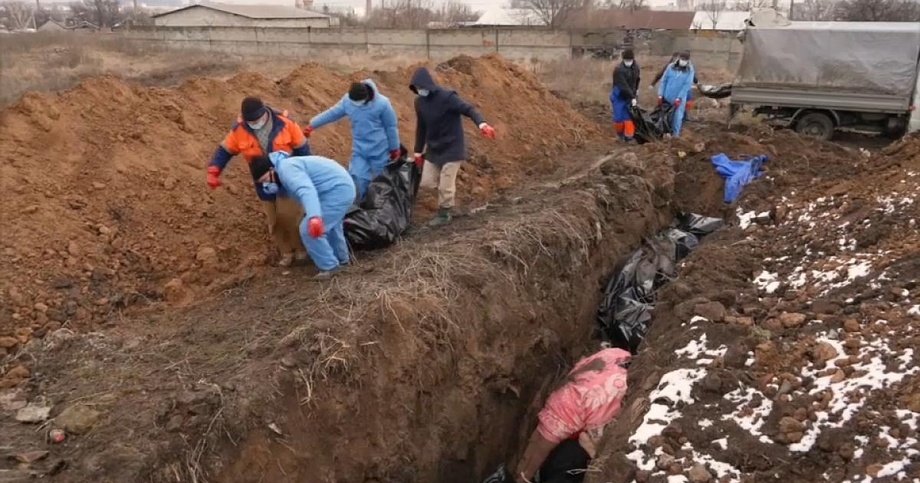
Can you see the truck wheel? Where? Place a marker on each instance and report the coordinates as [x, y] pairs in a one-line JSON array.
[[815, 124]]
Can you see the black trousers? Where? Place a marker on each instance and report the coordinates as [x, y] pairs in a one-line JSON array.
[[565, 464]]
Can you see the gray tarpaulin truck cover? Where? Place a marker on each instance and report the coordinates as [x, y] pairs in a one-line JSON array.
[[860, 57]]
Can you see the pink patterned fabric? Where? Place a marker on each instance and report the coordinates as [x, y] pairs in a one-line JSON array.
[[589, 400]]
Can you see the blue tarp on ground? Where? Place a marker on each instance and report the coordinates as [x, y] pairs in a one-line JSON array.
[[737, 174]]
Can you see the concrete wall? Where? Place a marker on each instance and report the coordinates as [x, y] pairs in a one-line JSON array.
[[196, 17], [523, 44], [519, 44]]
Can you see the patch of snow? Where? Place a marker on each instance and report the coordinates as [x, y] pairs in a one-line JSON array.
[[858, 270], [797, 281], [908, 417], [830, 276], [722, 443], [697, 319], [694, 348], [753, 422], [677, 479], [745, 220], [894, 468], [673, 389], [849, 395], [767, 282], [676, 386], [915, 311], [704, 423]]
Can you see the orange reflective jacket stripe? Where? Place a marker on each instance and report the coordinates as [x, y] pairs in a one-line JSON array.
[[241, 141]]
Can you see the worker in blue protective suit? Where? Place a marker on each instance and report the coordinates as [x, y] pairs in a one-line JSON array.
[[375, 137], [675, 88], [325, 191]]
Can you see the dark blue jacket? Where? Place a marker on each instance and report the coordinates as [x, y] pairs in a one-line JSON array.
[[439, 124]]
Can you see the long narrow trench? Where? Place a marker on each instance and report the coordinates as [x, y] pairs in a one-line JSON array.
[[504, 433], [454, 414]]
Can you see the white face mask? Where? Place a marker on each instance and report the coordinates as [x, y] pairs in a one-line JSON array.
[[255, 126], [683, 63], [628, 63], [423, 92]]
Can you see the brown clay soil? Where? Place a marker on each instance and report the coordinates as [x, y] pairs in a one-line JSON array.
[[787, 347], [427, 362], [102, 199], [412, 366], [418, 364]]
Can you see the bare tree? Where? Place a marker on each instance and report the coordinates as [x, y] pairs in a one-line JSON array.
[[878, 10], [102, 13], [748, 5], [17, 15], [417, 14], [629, 4], [814, 10], [406, 14], [552, 13], [454, 12], [713, 10]]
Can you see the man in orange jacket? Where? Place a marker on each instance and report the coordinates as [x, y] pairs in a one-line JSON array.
[[260, 131]]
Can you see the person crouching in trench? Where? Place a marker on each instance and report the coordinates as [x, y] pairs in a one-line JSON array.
[[573, 419]]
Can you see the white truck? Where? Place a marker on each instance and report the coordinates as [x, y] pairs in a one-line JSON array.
[[817, 77]]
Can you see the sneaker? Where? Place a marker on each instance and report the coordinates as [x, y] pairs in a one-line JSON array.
[[500, 476], [326, 274], [442, 218], [286, 260]]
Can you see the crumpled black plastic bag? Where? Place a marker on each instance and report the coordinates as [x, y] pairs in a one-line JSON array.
[[629, 296], [386, 211], [652, 126], [698, 225]]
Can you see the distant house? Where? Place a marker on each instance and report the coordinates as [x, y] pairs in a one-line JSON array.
[[52, 26], [224, 15], [72, 25]]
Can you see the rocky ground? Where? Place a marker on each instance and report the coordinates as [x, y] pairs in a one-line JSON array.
[[141, 335], [787, 348]]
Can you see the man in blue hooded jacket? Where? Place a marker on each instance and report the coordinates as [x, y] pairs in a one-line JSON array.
[[675, 88], [374, 132], [325, 191], [440, 128]]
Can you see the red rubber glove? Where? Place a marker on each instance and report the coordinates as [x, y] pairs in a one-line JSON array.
[[394, 155], [213, 177], [677, 102], [307, 131], [419, 160], [487, 131], [316, 227], [660, 100]]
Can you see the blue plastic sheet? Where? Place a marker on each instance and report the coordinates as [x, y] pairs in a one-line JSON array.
[[737, 173]]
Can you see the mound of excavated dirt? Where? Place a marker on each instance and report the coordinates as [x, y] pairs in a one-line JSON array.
[[787, 348], [104, 205], [416, 365]]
